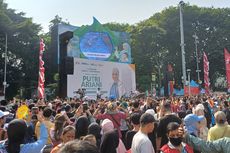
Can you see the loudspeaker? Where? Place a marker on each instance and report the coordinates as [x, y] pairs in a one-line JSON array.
[[69, 65]]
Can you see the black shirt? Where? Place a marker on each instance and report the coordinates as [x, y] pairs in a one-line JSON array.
[[129, 138]]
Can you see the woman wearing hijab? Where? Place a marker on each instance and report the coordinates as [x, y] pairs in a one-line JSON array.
[[81, 127], [110, 142], [95, 130], [192, 124], [107, 126], [16, 135]]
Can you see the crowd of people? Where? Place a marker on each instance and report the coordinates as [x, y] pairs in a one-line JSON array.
[[191, 124]]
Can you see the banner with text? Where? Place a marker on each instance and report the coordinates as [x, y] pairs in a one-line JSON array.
[[113, 79]]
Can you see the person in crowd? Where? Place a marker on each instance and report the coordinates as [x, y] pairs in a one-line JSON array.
[[141, 142], [47, 113], [216, 146], [221, 129], [33, 123], [207, 112], [175, 144], [112, 114], [135, 121], [192, 125], [68, 135], [68, 110], [16, 135], [149, 104], [168, 117], [83, 110], [78, 146], [57, 130], [95, 130], [81, 127], [152, 112], [226, 110], [3, 134], [108, 126], [203, 132], [152, 135], [91, 139], [136, 107], [124, 122], [99, 94], [30, 132], [110, 142]]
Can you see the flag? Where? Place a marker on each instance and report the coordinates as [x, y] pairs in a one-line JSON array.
[[227, 65], [41, 77], [206, 73]]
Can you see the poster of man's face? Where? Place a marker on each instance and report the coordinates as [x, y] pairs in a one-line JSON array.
[[115, 75]]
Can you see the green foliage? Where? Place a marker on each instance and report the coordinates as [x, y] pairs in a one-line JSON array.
[[23, 45], [57, 20], [155, 42]]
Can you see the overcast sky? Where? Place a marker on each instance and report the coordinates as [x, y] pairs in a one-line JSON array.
[[81, 12]]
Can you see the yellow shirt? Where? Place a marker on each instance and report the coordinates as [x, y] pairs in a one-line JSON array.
[[218, 132], [48, 125]]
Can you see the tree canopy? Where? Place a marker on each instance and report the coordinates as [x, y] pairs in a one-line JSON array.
[[23, 44]]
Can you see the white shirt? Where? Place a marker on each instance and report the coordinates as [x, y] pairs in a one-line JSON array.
[[141, 144]]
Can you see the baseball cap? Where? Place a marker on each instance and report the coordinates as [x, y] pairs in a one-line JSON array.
[[3, 113], [192, 118]]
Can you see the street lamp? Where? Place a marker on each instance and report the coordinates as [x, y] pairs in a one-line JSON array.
[[4, 82], [181, 4], [197, 58], [189, 89]]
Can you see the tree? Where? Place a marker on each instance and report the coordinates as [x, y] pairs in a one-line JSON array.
[[148, 53], [23, 43], [209, 24]]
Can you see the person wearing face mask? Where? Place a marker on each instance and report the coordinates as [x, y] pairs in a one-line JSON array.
[[175, 144], [168, 117]]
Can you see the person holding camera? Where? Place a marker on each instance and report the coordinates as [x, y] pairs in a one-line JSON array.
[[83, 110], [112, 114]]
